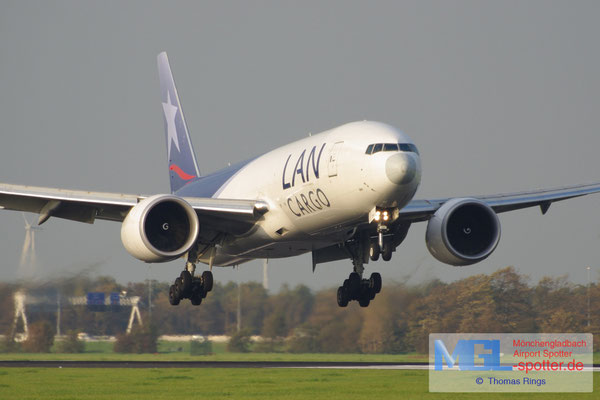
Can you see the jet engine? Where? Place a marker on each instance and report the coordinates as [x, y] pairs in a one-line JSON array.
[[160, 228], [463, 232]]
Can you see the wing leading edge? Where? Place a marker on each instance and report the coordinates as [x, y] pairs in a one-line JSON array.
[[82, 206], [422, 210], [230, 215]]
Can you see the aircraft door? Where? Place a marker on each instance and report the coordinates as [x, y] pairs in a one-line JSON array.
[[333, 158]]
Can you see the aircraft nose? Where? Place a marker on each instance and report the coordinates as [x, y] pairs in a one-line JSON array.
[[401, 168]]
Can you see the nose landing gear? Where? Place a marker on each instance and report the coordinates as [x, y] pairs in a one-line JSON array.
[[383, 245]]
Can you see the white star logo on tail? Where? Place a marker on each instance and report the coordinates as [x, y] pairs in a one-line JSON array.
[[170, 113]]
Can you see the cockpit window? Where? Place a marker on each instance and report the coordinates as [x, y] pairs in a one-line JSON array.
[[377, 147], [408, 147]]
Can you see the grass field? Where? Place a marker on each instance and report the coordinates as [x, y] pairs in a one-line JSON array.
[[180, 351], [148, 384], [218, 383], [215, 357]]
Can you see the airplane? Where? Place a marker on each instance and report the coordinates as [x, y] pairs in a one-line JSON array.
[[346, 193]]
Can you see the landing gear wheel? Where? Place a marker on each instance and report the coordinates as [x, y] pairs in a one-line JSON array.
[[174, 295], [196, 301], [364, 301], [361, 290], [353, 286], [186, 283], [197, 293], [372, 294], [197, 296], [386, 252], [374, 251], [179, 284], [188, 286], [342, 297], [375, 282], [207, 281]]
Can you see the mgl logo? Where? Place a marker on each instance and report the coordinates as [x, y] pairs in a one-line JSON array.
[[464, 356]]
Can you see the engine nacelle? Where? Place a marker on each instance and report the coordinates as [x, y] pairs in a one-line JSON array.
[[160, 228], [463, 232]]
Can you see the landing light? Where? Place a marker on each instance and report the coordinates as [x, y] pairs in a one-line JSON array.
[[382, 215]]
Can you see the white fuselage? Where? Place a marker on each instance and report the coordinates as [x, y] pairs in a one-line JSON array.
[[319, 190]]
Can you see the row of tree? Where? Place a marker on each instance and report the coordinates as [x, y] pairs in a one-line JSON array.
[[398, 320]]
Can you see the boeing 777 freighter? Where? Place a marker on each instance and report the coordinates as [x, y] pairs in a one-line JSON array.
[[346, 193]]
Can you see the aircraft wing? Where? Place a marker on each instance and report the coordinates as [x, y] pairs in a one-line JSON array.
[[421, 210], [223, 214]]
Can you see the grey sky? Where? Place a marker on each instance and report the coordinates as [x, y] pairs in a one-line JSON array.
[[499, 97]]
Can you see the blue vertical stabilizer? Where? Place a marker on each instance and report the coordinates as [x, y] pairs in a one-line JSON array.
[[183, 167]]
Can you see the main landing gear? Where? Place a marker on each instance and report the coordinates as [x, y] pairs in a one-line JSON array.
[[187, 286], [355, 287], [365, 247], [362, 290]]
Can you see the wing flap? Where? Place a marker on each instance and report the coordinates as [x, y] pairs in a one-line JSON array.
[[76, 205]]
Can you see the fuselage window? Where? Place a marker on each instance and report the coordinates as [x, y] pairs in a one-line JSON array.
[[377, 148], [369, 149]]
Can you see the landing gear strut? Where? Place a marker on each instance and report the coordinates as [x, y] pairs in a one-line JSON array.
[[188, 286]]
